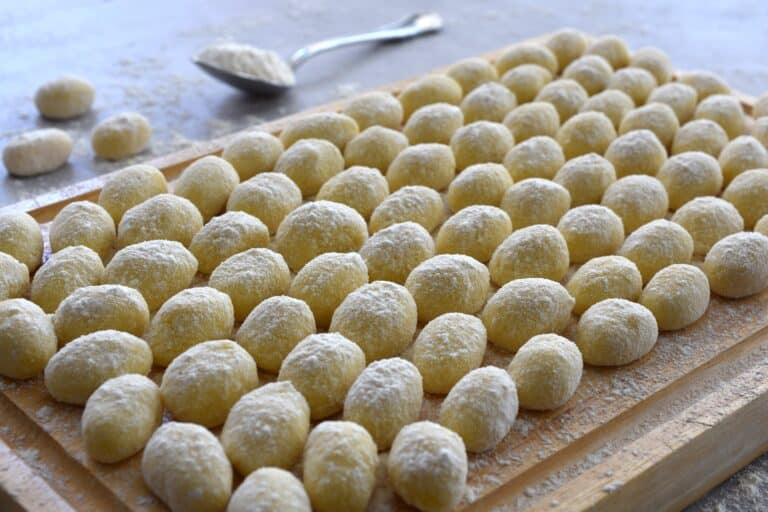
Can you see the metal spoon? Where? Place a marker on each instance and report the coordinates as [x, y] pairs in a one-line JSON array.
[[406, 28]]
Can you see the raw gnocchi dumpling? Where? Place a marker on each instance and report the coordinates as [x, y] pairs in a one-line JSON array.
[[586, 132], [472, 72], [266, 427], [681, 98], [533, 119], [637, 199], [416, 203], [748, 192], [475, 231], [527, 53], [186, 467], [434, 123], [656, 117], [225, 236], [37, 152], [82, 365], [161, 217], [429, 89], [207, 183], [429, 165], [566, 95], [737, 265], [375, 147], [708, 219], [535, 201], [636, 152], [637, 83], [375, 108], [14, 278], [611, 102], [362, 188], [525, 82], [331, 126], [309, 163], [655, 62], [568, 45], [740, 155], [253, 152], [121, 136], [268, 196], [537, 157], [83, 223], [591, 231], [120, 416], [677, 295], [489, 102], [725, 110], [269, 489], [592, 72], [478, 184], [586, 178], [689, 175], [384, 398], [700, 135], [27, 339], [391, 254], [65, 97], [605, 277], [130, 187], [21, 237], [656, 245], [534, 251], [481, 142]]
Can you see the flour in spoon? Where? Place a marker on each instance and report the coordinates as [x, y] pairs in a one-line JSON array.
[[248, 60]]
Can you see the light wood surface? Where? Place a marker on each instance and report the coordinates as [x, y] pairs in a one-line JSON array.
[[653, 435]]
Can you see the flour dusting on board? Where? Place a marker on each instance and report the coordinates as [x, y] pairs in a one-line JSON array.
[[248, 60]]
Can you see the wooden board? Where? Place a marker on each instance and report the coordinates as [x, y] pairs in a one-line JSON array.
[[653, 435]]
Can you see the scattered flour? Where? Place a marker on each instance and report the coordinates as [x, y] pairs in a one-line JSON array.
[[248, 60]]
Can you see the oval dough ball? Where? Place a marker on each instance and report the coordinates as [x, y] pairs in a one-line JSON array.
[[273, 328], [322, 368], [427, 466], [656, 245], [525, 82], [434, 123], [471, 73], [612, 48], [725, 110], [637, 199], [22, 238], [162, 217], [636, 152], [14, 281], [532, 119], [527, 53], [535, 201], [656, 117], [523, 308], [185, 466], [81, 366], [310, 163], [253, 152], [37, 152], [119, 418], [655, 61], [547, 371], [615, 332], [335, 128], [250, 277], [481, 408], [362, 188], [605, 277], [393, 252], [207, 183], [708, 219], [762, 225], [349, 450], [537, 157], [268, 196], [121, 136], [488, 102], [430, 165], [417, 203], [637, 83], [225, 236], [266, 427], [325, 281], [681, 98], [760, 108], [27, 339], [613, 103], [447, 283], [748, 192], [592, 72], [689, 175], [478, 184], [447, 348], [386, 397], [375, 147], [591, 231], [97, 308], [742, 154], [64, 272], [205, 381], [678, 295], [375, 108], [158, 269], [269, 489], [566, 95], [130, 187], [319, 227], [567, 44], [737, 265], [585, 178], [587, 132], [700, 135], [481, 142], [475, 231], [760, 130], [380, 317], [188, 318], [66, 97], [83, 223], [429, 89], [534, 251]]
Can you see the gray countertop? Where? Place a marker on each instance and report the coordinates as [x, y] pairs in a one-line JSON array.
[[137, 54]]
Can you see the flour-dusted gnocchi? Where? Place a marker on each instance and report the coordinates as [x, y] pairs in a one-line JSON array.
[[656, 117], [591, 231], [533, 119], [525, 82], [689, 175], [637, 199], [535, 201], [253, 152], [269, 489], [416, 203], [434, 123], [481, 142], [225, 236], [130, 187], [636, 152], [586, 178], [161, 217], [268, 196], [605, 277], [429, 165], [14, 278], [475, 231], [566, 95], [586, 132], [613, 103], [309, 163], [479, 184], [82, 365], [21, 237], [83, 223], [740, 155], [362, 188], [708, 219], [120, 416], [534, 251], [266, 427], [121, 136], [472, 72], [700, 135], [656, 245], [526, 53], [37, 152], [637, 83], [568, 45], [537, 157], [336, 128], [592, 72], [748, 192], [27, 339], [427, 90], [391, 254], [207, 183], [680, 97], [65, 97], [654, 61], [65, 272], [677, 295], [375, 147], [489, 102], [725, 110], [737, 265], [375, 108]]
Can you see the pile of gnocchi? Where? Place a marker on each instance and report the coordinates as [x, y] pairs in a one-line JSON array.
[[367, 257]]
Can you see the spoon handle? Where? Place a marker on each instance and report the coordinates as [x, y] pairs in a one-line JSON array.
[[410, 26]]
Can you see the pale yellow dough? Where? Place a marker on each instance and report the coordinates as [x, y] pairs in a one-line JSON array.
[[681, 98], [523, 308], [430, 165], [708, 219], [636, 152], [20, 237], [270, 489], [534, 251], [532, 119], [416, 203], [637, 199], [119, 418], [253, 152], [525, 81], [309, 163], [742, 154], [362, 188], [689, 175], [613, 103], [567, 44], [65, 97], [488, 102], [225, 236], [656, 245], [375, 108], [537, 157], [391, 254], [475, 231], [375, 147], [27, 339], [472, 72], [121, 136], [527, 53], [737, 265], [566, 95], [478, 184], [637, 83], [591, 231], [14, 282], [654, 61], [762, 225], [481, 142], [429, 89], [678, 295], [336, 128], [586, 132], [656, 117], [760, 130], [585, 178], [535, 201], [268, 196], [592, 72], [605, 277], [434, 123], [700, 135], [207, 183], [36, 152], [725, 110], [161, 217], [748, 192], [612, 48], [83, 223], [130, 187]]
